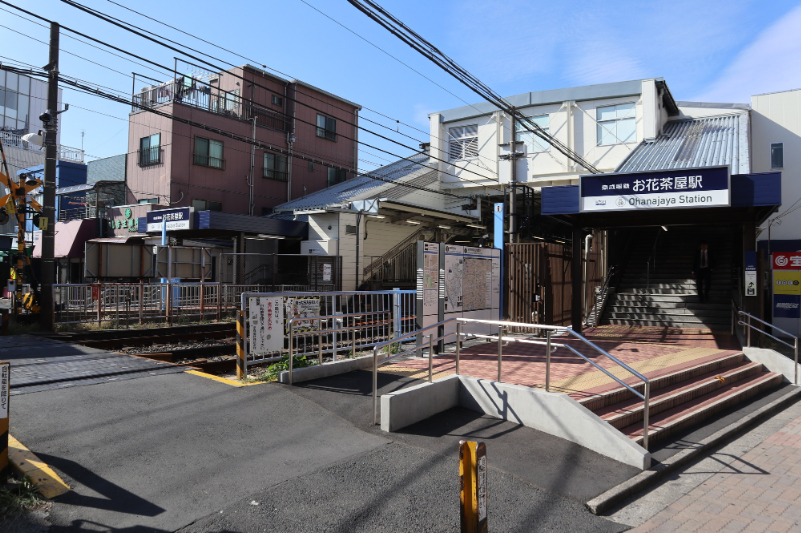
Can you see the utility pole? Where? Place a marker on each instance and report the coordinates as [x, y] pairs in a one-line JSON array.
[[513, 179], [48, 207]]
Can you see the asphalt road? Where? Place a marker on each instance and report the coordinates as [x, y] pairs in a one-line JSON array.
[[161, 453]]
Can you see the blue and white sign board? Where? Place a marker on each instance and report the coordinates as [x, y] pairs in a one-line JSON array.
[[179, 218], [750, 274], [667, 189]]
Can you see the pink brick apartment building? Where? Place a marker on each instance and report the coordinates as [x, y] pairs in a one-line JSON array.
[[181, 165]]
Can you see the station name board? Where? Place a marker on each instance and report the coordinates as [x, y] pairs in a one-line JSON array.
[[180, 218], [668, 189]]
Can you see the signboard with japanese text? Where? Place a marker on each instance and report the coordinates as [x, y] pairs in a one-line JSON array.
[[266, 327], [668, 189], [180, 218], [5, 386], [750, 287], [304, 309], [787, 299], [786, 261]]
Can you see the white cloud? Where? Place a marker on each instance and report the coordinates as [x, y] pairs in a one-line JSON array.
[[769, 64]]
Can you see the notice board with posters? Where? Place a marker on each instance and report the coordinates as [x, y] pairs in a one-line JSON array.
[[786, 281], [457, 281]]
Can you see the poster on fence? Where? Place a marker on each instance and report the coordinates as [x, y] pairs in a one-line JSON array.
[[266, 327], [302, 307]]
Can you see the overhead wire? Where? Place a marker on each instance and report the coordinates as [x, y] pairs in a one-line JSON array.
[[289, 76], [403, 32], [295, 153], [138, 31]]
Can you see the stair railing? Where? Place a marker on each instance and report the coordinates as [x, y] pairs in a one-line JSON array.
[[396, 250], [648, 263], [600, 298], [500, 338], [749, 327]]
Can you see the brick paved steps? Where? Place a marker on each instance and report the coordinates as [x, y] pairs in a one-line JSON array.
[[713, 323], [692, 412], [604, 396], [618, 311], [630, 412]]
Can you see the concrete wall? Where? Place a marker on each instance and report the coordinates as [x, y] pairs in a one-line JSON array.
[[552, 413], [776, 118], [351, 268], [573, 122], [381, 236]]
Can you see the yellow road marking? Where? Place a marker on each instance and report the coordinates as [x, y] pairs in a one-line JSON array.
[[227, 381], [25, 461]]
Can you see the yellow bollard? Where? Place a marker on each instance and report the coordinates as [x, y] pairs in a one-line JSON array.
[[5, 386], [241, 370], [473, 486]]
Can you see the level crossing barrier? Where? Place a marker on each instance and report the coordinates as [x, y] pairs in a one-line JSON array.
[[500, 338], [336, 324]]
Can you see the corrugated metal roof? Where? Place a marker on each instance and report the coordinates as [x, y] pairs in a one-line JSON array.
[[342, 194], [699, 142]]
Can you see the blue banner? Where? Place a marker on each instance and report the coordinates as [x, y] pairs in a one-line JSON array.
[[786, 306], [668, 189]]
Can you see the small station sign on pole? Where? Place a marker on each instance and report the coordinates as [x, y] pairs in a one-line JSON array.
[[5, 386], [473, 486]]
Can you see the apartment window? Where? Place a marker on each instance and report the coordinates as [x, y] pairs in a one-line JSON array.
[[149, 201], [209, 153], [277, 100], [275, 167], [206, 205], [616, 124], [463, 142], [777, 155], [311, 166], [326, 127], [150, 150], [534, 143], [336, 175]]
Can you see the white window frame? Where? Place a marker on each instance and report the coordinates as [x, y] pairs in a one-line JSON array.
[[534, 144], [770, 155], [463, 142], [614, 122]]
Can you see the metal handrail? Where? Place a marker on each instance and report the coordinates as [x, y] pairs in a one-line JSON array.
[[502, 325], [794, 346], [600, 297]]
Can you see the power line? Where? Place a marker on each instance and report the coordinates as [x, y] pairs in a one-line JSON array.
[[125, 25], [289, 76], [424, 47], [295, 153]]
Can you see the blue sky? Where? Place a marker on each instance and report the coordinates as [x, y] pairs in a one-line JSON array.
[[719, 50]]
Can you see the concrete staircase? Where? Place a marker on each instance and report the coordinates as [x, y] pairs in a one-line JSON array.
[[667, 295], [683, 395]]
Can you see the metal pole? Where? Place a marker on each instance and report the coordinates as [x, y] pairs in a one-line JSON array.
[[645, 415], [430, 359], [500, 351], [291, 350], [375, 385], [458, 344], [548, 361], [49, 189], [320, 340], [795, 348], [748, 330]]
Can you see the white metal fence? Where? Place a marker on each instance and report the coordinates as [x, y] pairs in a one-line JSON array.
[[330, 324]]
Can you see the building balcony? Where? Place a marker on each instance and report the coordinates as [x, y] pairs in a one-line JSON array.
[[194, 93], [149, 157], [63, 153]]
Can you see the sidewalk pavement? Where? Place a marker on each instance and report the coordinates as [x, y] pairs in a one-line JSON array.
[[753, 485]]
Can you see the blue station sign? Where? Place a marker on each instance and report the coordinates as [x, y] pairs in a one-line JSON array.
[[667, 189], [179, 218]]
